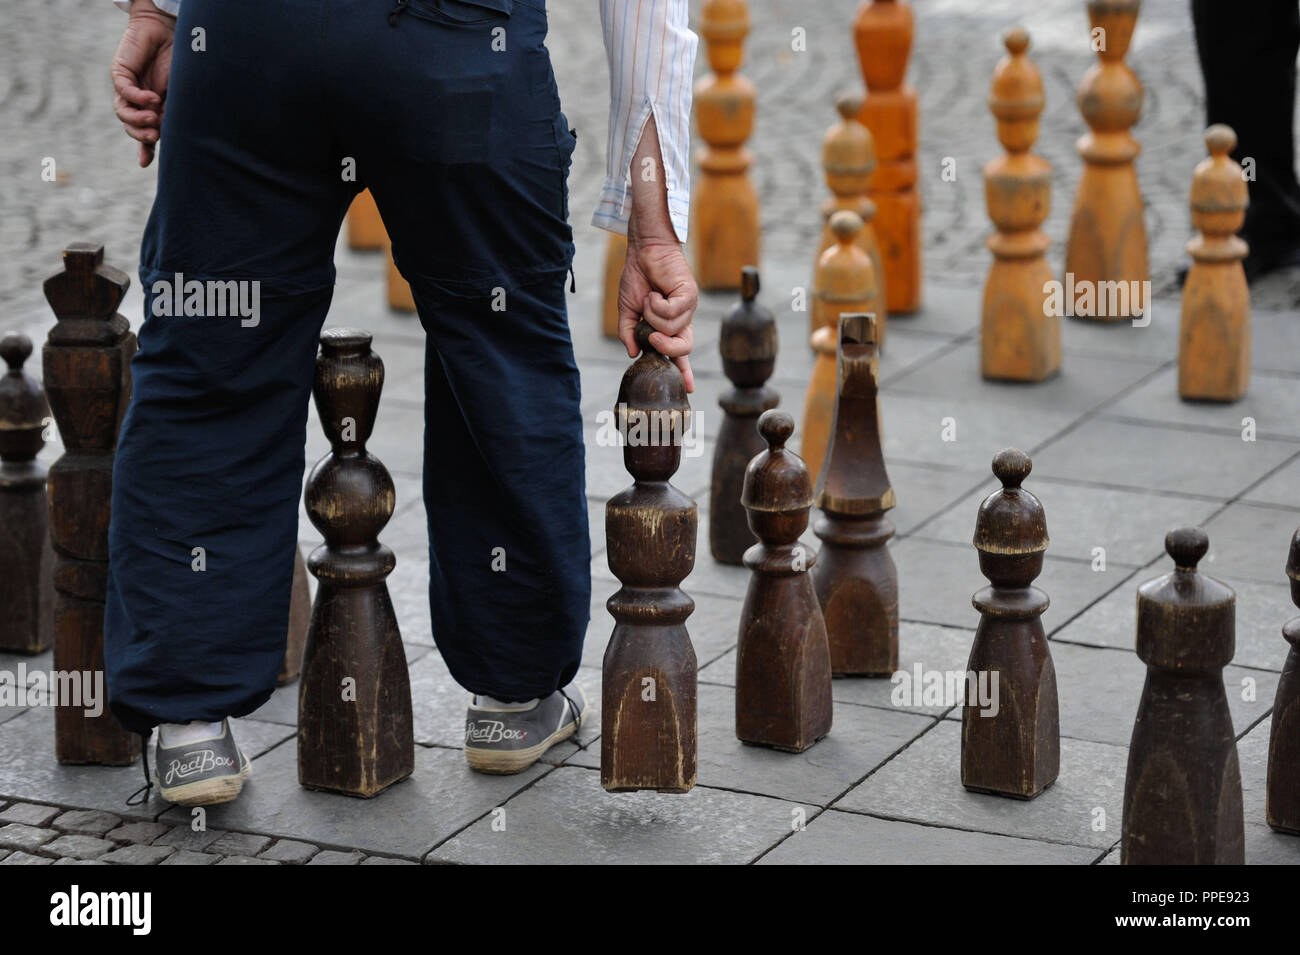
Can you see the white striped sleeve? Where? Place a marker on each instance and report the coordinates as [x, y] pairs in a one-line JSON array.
[[651, 52]]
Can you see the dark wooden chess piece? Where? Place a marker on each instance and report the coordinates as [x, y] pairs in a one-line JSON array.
[[783, 666], [648, 682], [1182, 792], [1011, 747], [26, 555], [748, 348], [355, 733], [87, 373], [1283, 806], [299, 621], [856, 581]]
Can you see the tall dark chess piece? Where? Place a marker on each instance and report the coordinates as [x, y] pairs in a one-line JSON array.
[[856, 581], [1015, 751], [1182, 793], [87, 373], [355, 734], [647, 736], [783, 666], [748, 356], [1283, 812], [26, 556]]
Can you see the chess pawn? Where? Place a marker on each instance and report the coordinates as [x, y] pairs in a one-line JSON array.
[[1182, 792], [299, 621], [615, 258], [648, 685], [355, 733], [397, 289], [1283, 802], [883, 36], [856, 581], [748, 347], [783, 667], [26, 557], [1108, 238], [1010, 736], [724, 210], [1019, 340], [366, 230], [1214, 345], [846, 283], [849, 158]]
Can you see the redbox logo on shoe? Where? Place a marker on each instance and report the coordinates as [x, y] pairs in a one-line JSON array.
[[197, 761], [490, 731], [75, 908]]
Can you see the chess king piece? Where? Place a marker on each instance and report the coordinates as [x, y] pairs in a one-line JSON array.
[[1019, 341], [1182, 792], [1108, 237], [299, 621], [883, 34], [648, 682], [847, 284], [1012, 747], [87, 372], [355, 733], [848, 159], [26, 556], [397, 289], [724, 210], [783, 666], [366, 230], [748, 348], [855, 578], [1283, 801], [1214, 345], [615, 257]]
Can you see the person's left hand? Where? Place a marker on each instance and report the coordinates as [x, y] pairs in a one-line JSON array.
[[141, 68], [657, 283]]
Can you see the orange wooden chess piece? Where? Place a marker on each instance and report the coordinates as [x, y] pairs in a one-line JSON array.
[[724, 211], [883, 31], [1108, 237], [615, 257], [399, 291], [1019, 341], [847, 283], [1214, 345], [366, 230], [849, 158]]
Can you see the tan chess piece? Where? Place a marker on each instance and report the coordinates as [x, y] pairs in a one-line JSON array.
[[366, 230], [398, 289], [847, 283], [848, 159], [724, 210], [1214, 345], [1108, 237], [1019, 341], [615, 256], [883, 34]]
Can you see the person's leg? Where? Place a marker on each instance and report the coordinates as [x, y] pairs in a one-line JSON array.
[[209, 465], [466, 151], [1248, 61]]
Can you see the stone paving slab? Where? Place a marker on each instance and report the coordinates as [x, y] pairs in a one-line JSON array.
[[923, 784], [25, 858], [1263, 845], [1251, 540], [1144, 457], [1279, 488], [714, 626], [1272, 400], [1129, 525], [845, 838], [29, 814], [408, 819], [936, 582], [861, 738], [567, 818]]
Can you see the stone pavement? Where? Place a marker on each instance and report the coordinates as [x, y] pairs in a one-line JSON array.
[[1118, 459]]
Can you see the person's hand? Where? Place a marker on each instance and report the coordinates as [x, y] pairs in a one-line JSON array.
[[657, 283], [140, 70]]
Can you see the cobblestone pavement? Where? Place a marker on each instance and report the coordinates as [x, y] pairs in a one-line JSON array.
[[1118, 459]]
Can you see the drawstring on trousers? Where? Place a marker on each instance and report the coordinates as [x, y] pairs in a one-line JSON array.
[[397, 11]]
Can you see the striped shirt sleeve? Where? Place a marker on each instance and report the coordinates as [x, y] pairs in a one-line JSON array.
[[651, 53]]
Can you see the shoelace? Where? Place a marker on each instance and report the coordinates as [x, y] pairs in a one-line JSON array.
[[573, 708], [397, 11], [147, 788]]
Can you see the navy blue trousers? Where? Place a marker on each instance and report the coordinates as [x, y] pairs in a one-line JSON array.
[[448, 112]]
